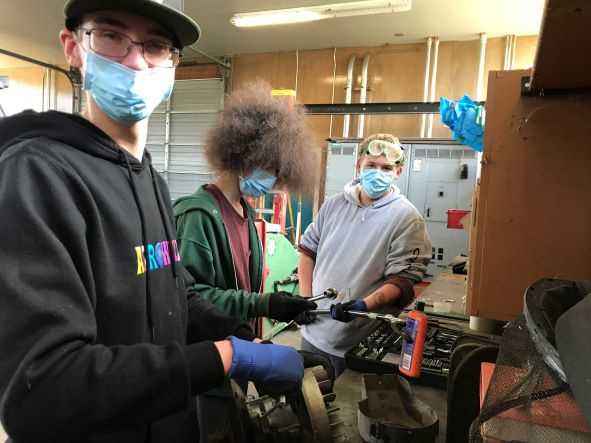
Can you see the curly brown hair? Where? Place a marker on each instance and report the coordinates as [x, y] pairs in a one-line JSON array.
[[257, 130]]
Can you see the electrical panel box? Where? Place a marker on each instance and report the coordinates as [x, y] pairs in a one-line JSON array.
[[442, 177], [340, 167]]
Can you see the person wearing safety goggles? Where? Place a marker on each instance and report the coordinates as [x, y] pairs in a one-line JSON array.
[[370, 243], [103, 337]]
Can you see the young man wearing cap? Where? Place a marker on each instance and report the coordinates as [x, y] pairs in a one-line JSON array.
[[101, 339], [370, 243]]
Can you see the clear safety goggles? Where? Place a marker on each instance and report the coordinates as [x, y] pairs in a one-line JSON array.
[[392, 151]]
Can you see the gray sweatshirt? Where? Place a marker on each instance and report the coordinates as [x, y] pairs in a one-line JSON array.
[[357, 249]]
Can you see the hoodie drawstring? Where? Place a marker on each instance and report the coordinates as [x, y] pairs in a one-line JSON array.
[[143, 228]]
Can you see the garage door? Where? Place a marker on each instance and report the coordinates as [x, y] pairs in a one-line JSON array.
[[177, 133]]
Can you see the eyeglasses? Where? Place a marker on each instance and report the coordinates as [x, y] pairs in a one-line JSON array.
[[393, 151], [109, 43]]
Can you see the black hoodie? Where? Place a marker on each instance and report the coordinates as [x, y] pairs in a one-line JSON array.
[[100, 340]]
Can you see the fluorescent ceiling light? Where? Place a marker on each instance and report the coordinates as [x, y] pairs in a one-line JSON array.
[[314, 13]]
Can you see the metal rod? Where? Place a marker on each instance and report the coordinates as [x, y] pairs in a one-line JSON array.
[[36, 62], [363, 95], [74, 80], [426, 84], [373, 108], [349, 94], [318, 297], [481, 67], [433, 83], [329, 293], [210, 57], [506, 54], [320, 311], [513, 51], [334, 77], [370, 315]]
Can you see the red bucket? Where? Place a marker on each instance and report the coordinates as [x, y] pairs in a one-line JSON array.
[[454, 217]]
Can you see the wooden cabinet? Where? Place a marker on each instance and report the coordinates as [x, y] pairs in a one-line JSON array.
[[532, 214]]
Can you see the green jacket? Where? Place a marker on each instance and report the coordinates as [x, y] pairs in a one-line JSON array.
[[206, 253]]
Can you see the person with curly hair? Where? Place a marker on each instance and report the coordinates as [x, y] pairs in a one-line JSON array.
[[260, 143], [370, 243]]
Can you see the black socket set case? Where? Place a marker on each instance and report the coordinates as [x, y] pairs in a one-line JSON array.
[[379, 353]]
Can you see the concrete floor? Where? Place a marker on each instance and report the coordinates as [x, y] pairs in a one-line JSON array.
[[348, 391]]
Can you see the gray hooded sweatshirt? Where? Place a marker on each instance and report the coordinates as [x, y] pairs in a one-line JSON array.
[[357, 249]]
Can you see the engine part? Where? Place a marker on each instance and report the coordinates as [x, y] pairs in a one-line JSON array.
[[304, 416]]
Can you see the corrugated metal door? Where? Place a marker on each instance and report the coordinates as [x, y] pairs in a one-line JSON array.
[[177, 132]]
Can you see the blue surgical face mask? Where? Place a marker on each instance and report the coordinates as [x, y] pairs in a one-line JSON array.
[[124, 94], [257, 184], [376, 183]]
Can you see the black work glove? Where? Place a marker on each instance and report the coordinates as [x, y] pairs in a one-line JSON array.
[[340, 311], [285, 307], [305, 318]]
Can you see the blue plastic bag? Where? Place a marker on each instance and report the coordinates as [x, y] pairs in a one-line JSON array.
[[465, 118]]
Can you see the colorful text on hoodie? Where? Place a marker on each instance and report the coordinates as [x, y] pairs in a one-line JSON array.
[[155, 256]]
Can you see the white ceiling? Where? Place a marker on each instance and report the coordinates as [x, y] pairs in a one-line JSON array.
[[32, 26]]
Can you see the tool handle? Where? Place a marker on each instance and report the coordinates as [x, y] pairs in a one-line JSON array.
[[320, 311], [329, 293]]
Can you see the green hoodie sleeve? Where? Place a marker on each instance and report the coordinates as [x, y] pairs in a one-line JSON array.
[[202, 253]]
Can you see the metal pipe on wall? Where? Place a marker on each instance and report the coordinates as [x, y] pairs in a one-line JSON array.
[[480, 89], [506, 54], [334, 78], [513, 51], [481, 68], [433, 83], [510, 50], [363, 95], [426, 84], [297, 73], [349, 93]]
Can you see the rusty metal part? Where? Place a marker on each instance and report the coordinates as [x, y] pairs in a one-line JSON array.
[[301, 417], [315, 404]]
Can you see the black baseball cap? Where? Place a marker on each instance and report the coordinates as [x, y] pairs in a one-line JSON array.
[[185, 30]]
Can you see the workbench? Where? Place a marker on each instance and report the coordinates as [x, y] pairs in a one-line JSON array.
[[445, 295]]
